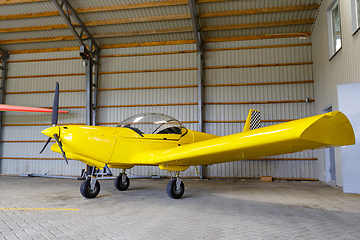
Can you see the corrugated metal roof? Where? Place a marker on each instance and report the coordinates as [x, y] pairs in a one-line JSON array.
[[101, 3], [35, 7], [176, 14], [134, 13], [146, 38], [29, 22], [41, 45]]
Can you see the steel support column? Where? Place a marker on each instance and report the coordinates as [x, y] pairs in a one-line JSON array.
[[89, 89], [200, 92], [96, 87], [201, 103], [4, 56], [199, 43], [199, 47]]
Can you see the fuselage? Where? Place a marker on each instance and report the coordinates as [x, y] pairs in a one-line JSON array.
[[116, 146]]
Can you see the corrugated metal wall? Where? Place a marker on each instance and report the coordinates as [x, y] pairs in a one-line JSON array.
[[22, 138], [281, 60], [160, 71], [341, 69], [217, 114]]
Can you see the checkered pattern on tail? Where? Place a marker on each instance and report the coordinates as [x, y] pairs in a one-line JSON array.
[[255, 120]]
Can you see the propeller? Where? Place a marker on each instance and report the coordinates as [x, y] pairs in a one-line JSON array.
[[47, 142], [55, 111], [59, 143], [54, 120]]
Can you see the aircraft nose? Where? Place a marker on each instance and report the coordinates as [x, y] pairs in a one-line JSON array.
[[51, 131]]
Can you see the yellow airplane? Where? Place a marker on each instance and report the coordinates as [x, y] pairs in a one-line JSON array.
[[153, 139]]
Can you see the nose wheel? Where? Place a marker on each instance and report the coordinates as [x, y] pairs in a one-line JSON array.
[[122, 182], [90, 188], [175, 188]]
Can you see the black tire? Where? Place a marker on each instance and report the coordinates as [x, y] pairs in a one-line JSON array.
[[85, 189], [119, 185], [171, 189]]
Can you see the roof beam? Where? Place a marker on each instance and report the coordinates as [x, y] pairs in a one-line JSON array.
[[161, 31], [168, 3], [142, 33], [260, 10], [96, 9], [100, 23], [3, 2], [259, 24], [99, 9], [100, 35], [257, 37], [161, 18], [166, 43], [148, 19]]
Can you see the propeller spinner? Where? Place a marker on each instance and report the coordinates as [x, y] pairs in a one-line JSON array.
[[54, 131]]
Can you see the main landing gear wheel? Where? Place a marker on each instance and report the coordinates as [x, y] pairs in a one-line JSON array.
[[122, 182], [175, 188], [89, 191]]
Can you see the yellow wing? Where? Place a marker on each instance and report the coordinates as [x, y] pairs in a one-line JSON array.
[[325, 130]]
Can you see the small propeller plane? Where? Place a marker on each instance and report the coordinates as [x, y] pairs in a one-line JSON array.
[[153, 139]]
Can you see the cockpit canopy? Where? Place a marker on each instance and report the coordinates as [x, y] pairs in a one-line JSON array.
[[153, 123]]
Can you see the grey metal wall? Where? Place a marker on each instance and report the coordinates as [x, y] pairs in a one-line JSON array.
[[154, 71], [22, 138], [282, 111]]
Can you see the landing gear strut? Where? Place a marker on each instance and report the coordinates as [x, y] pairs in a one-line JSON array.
[[90, 188], [175, 188], [122, 182]]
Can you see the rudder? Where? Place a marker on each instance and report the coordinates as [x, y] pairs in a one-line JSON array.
[[252, 121]]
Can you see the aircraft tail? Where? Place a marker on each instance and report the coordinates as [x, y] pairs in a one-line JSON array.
[[252, 121]]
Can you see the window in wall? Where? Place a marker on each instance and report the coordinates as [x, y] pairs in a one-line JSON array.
[[334, 28], [355, 15]]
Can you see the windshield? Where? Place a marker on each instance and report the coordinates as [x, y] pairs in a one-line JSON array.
[[153, 123]]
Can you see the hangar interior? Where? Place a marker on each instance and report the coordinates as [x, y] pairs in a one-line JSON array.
[[204, 62]]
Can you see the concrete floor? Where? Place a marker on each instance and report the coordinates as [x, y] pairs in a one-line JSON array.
[[208, 210]]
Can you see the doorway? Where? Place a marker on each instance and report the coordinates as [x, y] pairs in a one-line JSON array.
[[330, 166]]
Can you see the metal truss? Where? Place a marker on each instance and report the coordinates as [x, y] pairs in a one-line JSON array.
[[78, 28], [196, 26], [4, 56], [89, 51]]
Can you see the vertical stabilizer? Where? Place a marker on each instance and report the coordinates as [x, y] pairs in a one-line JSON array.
[[252, 121]]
